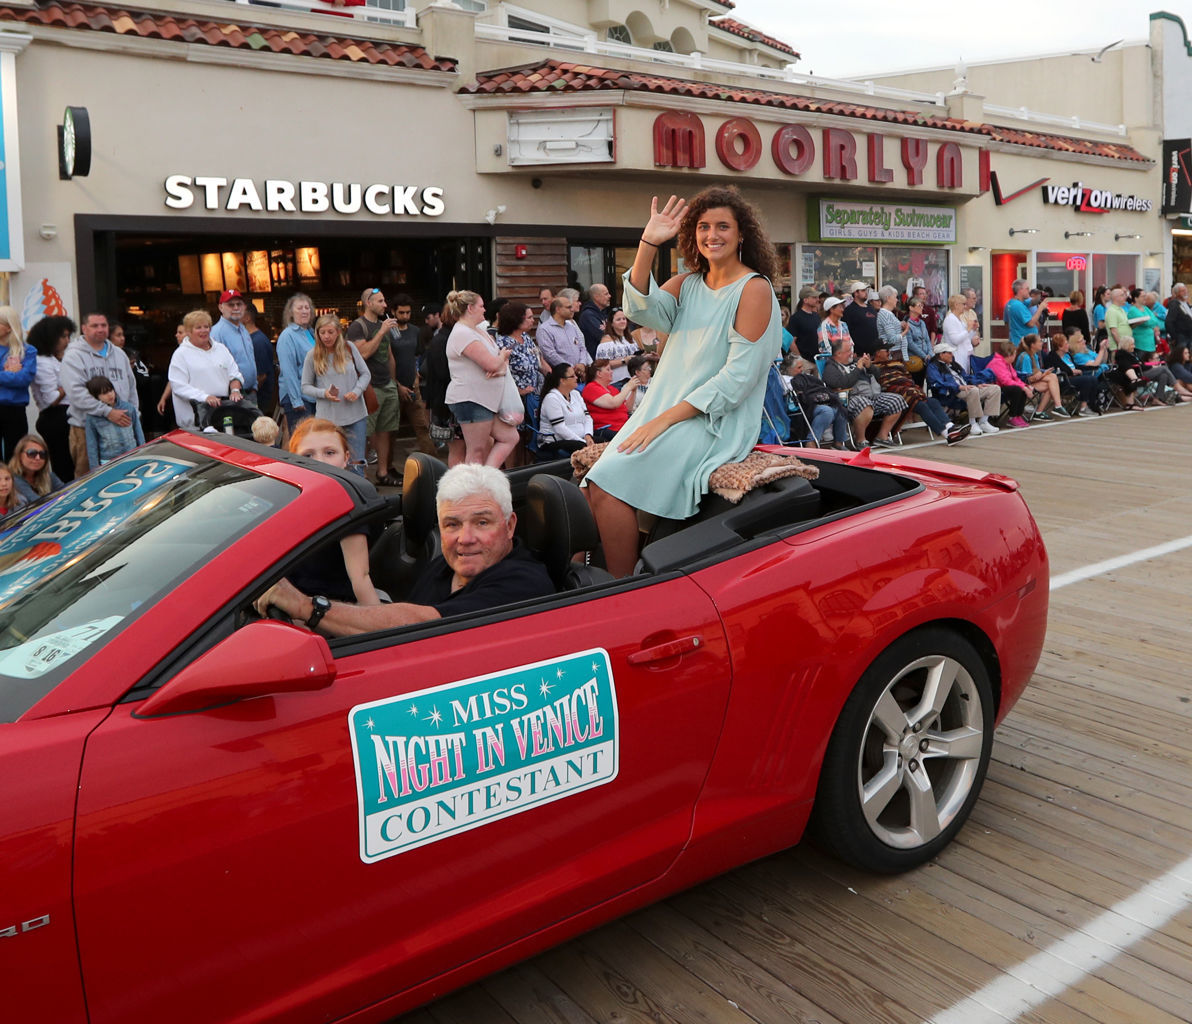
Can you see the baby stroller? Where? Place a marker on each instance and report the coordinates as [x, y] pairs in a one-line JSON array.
[[228, 417]]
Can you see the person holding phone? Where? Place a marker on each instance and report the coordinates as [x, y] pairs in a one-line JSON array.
[[1043, 382], [1020, 321], [373, 335]]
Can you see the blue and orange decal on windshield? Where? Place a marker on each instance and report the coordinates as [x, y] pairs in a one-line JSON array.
[[441, 761]]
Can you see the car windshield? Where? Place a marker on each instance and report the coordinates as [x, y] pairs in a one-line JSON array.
[[82, 564]]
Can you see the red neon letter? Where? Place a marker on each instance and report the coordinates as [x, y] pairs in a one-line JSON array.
[[793, 149], [751, 144], [949, 167], [840, 154], [878, 171], [914, 159]]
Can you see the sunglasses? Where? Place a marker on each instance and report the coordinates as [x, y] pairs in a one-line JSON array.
[[34, 453], [375, 291]]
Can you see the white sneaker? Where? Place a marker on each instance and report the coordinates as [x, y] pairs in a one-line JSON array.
[[987, 427], [977, 430]]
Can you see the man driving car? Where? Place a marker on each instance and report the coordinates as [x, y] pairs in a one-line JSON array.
[[482, 565]]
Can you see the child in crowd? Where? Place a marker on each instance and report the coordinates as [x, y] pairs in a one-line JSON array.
[[266, 431], [105, 440], [10, 500]]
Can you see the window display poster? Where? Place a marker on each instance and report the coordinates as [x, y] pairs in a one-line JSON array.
[[258, 272], [869, 270], [1150, 279], [310, 272], [212, 272], [807, 270], [233, 271], [973, 277]]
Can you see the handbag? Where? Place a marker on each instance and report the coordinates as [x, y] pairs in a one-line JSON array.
[[511, 409], [915, 364], [371, 402]]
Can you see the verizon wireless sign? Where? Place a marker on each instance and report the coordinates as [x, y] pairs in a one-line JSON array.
[[1094, 200]]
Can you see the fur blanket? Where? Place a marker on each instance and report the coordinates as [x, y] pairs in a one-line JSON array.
[[733, 480]]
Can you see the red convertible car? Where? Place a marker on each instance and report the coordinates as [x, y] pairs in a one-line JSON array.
[[209, 817]]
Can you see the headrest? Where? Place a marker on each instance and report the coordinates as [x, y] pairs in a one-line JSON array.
[[557, 523], [420, 481]]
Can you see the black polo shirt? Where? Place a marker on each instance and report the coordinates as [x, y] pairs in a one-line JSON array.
[[862, 326], [805, 327], [516, 577]]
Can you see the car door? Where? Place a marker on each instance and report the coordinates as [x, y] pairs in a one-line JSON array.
[[269, 859]]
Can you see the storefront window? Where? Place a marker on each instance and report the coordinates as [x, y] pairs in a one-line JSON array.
[[906, 268], [1111, 269], [1181, 246], [1007, 267], [829, 267]]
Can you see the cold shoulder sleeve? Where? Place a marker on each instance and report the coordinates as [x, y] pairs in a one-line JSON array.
[[658, 308]]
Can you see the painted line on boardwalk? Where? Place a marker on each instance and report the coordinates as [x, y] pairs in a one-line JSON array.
[[1054, 970], [1120, 562], [1061, 965]]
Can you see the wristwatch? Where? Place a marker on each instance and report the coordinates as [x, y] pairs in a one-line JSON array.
[[321, 607]]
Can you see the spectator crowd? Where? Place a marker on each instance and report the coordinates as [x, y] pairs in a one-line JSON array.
[[506, 382]]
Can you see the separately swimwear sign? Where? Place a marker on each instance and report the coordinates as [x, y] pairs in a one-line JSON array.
[[883, 222], [440, 761]]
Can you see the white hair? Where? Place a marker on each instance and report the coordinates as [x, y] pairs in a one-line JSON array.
[[886, 292], [468, 479]]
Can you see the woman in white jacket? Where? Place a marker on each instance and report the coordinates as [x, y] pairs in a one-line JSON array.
[[564, 423], [957, 333]]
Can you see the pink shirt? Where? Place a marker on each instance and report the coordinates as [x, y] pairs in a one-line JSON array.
[[1004, 373]]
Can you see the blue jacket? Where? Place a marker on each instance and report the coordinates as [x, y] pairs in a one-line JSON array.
[[943, 385], [292, 346], [106, 441], [14, 387]]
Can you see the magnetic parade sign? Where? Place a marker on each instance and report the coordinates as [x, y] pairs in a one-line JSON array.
[[440, 761]]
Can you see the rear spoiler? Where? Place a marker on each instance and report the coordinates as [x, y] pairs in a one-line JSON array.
[[939, 470]]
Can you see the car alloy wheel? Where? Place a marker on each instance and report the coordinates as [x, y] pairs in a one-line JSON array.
[[908, 755]]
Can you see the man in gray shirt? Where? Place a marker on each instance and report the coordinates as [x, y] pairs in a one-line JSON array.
[[560, 339], [94, 355]]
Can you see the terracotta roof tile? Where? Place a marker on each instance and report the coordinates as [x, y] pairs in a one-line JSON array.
[[556, 75], [165, 26], [752, 34]]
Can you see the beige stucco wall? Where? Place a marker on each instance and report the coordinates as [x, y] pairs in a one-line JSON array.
[[1116, 90]]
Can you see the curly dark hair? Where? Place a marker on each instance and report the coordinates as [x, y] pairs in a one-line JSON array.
[[757, 252]]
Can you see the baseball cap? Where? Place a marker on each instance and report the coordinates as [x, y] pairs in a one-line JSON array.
[[942, 347], [858, 286], [430, 309], [832, 303], [229, 295]]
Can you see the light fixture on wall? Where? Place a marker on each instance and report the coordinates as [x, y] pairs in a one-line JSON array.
[[492, 215], [1079, 234], [48, 231], [1118, 238], [1023, 231], [978, 248]]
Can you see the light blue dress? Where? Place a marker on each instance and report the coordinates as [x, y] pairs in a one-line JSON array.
[[705, 362]]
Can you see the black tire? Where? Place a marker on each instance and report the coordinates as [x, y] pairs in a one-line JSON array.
[[890, 745]]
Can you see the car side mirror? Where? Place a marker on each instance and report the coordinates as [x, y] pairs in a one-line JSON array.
[[261, 659]]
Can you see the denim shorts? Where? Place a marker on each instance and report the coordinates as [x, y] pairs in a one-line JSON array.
[[470, 412]]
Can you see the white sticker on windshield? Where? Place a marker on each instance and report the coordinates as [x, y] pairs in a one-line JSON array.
[[36, 657]]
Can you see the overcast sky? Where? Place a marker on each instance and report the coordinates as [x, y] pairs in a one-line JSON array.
[[859, 39]]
